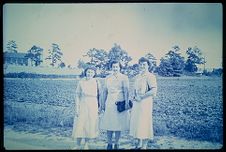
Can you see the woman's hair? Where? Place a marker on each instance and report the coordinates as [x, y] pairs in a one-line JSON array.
[[143, 59], [90, 68], [115, 62]]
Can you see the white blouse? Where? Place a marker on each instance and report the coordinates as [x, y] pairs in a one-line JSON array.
[[143, 81], [87, 87]]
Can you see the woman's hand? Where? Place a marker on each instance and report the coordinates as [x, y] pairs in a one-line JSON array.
[[127, 105], [138, 98], [100, 110]]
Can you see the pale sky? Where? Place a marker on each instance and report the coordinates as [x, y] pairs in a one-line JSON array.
[[139, 28]]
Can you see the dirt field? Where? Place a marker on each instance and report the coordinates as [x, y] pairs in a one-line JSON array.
[[187, 108]]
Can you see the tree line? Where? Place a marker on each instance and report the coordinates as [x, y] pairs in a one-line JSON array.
[[172, 64]]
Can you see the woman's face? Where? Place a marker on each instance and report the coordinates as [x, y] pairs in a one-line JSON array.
[[143, 66], [115, 68], [90, 73]]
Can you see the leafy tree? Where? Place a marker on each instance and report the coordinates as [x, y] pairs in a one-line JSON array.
[[12, 46], [55, 55], [172, 64], [214, 72], [62, 65], [194, 58], [102, 59], [217, 72], [82, 64], [165, 68], [116, 53], [35, 54], [132, 71], [99, 58], [190, 66]]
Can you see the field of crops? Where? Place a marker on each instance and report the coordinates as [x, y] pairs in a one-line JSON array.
[[184, 107]]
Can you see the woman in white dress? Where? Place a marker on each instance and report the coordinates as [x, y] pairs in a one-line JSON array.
[[116, 89], [145, 87], [86, 109]]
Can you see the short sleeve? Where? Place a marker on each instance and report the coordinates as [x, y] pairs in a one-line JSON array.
[[152, 80], [100, 84]]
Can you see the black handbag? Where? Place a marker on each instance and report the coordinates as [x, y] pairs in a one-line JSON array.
[[121, 105]]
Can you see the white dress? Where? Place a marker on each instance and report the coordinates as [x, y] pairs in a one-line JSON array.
[[86, 124], [112, 120], [141, 125]]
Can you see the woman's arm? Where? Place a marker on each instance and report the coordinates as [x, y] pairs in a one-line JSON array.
[[100, 93], [151, 81], [137, 96], [78, 95], [126, 91], [103, 93]]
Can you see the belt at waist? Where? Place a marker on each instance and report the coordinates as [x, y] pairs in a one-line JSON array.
[[114, 92], [90, 96]]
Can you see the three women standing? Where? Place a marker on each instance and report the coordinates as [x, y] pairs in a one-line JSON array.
[[116, 89]]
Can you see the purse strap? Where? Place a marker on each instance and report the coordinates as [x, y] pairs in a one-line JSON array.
[[148, 88], [98, 94]]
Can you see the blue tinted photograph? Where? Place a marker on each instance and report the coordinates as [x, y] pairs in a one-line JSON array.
[[112, 76]]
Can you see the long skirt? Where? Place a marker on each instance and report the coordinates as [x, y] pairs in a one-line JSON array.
[[141, 125], [113, 120], [86, 124]]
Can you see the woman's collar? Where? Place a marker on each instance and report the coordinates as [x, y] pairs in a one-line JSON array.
[[116, 75], [144, 74]]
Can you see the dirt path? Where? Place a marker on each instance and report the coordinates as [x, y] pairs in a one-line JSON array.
[[23, 140]]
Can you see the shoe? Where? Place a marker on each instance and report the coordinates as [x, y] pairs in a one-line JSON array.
[[144, 147], [116, 146], [76, 148], [137, 147], [86, 146], [109, 146]]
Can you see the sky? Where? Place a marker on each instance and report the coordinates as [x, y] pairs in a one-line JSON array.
[[139, 28]]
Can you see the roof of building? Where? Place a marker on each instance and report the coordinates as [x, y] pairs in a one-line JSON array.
[[14, 55]]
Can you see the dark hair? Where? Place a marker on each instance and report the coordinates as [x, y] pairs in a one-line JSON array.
[[143, 59], [90, 68], [115, 62]]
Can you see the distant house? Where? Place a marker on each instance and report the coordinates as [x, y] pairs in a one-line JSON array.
[[199, 72], [16, 58]]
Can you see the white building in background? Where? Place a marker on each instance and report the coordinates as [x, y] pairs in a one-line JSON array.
[[11, 58], [19, 59], [18, 62]]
